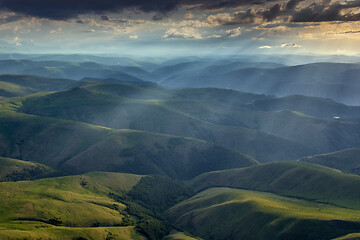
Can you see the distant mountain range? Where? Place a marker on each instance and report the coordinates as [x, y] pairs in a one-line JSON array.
[[337, 81]]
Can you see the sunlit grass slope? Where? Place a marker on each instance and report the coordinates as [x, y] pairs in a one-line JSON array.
[[180, 236], [16, 170], [301, 180], [38, 231], [351, 236], [347, 160], [64, 207], [224, 213]]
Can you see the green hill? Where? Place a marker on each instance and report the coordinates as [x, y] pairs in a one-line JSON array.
[[314, 106], [134, 107], [96, 205], [220, 120], [293, 179], [17, 170], [72, 70], [347, 160], [66, 208], [77, 148], [224, 213], [352, 236], [331, 134], [21, 85], [180, 236]]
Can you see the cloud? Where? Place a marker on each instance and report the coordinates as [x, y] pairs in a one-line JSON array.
[[350, 32], [67, 9], [157, 17], [265, 47], [105, 18], [134, 37], [222, 4], [182, 33], [272, 13], [90, 31], [5, 19], [189, 15], [290, 45], [233, 32], [325, 11]]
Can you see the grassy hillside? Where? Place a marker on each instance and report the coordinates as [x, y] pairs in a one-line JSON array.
[[134, 107], [180, 236], [314, 106], [65, 207], [96, 205], [43, 231], [21, 85], [295, 179], [224, 213], [352, 236], [77, 148], [347, 160], [331, 134], [17, 170], [73, 70], [193, 114]]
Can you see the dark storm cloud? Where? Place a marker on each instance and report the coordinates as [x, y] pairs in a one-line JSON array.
[[105, 18], [272, 13], [157, 17], [291, 5], [219, 4], [288, 12], [325, 12], [244, 17], [9, 19], [67, 9]]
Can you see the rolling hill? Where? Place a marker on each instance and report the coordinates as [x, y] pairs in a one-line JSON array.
[[193, 114], [347, 160], [313, 106], [73, 70], [96, 205], [77, 147], [292, 179], [210, 162], [225, 213], [124, 109], [21, 85], [17, 170], [315, 79], [47, 208], [287, 200]]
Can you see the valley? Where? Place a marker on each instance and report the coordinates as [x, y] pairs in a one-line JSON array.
[[187, 148]]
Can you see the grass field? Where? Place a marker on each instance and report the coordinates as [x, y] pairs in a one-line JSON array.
[[180, 236], [347, 160], [224, 213], [65, 207], [17, 170], [295, 179]]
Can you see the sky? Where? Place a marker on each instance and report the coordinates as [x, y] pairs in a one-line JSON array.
[[180, 27]]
